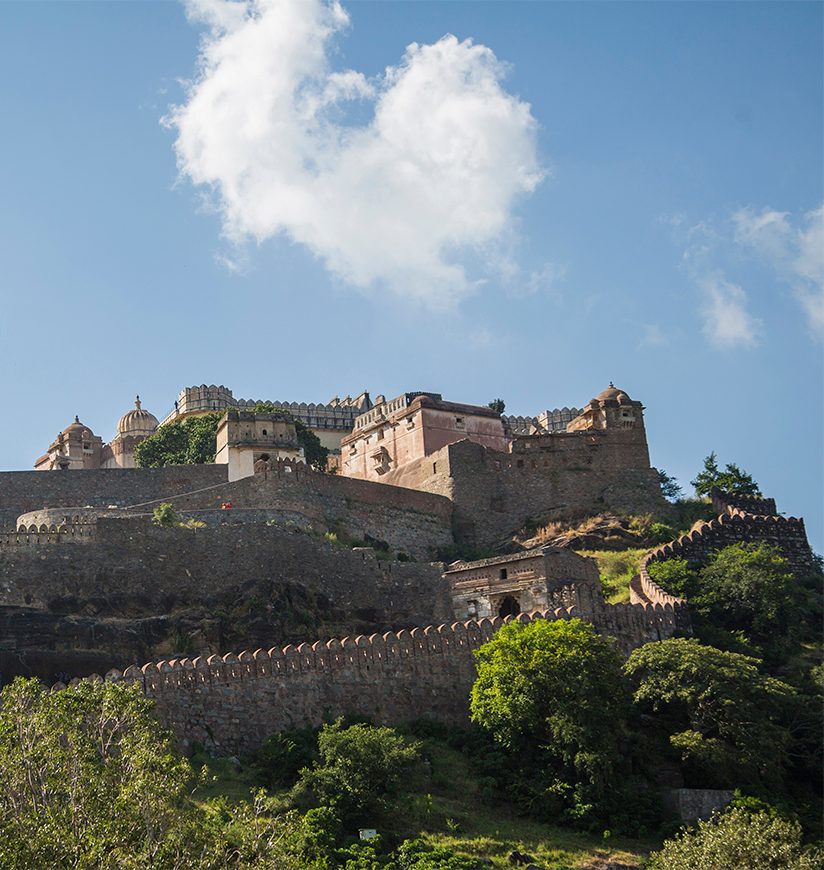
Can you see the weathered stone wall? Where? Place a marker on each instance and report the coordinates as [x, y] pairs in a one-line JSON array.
[[728, 502], [552, 476], [232, 703], [786, 533], [23, 491], [132, 592], [416, 523]]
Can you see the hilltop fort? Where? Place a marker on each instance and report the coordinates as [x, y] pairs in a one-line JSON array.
[[278, 554]]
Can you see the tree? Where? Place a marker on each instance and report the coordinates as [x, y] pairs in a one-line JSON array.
[[738, 840], [89, 779], [360, 770], [183, 442], [750, 588], [732, 479], [722, 715], [670, 488], [555, 686], [498, 406]]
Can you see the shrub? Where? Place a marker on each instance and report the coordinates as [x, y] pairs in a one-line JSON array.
[[738, 840], [166, 516], [360, 771], [278, 762], [661, 533]]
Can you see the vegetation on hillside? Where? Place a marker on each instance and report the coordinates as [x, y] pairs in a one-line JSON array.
[[730, 479]]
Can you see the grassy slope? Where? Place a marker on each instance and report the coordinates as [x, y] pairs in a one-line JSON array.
[[452, 810], [616, 569]]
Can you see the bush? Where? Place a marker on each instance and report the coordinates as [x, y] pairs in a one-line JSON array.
[[360, 771], [165, 516], [738, 840], [278, 762], [675, 576], [661, 533]]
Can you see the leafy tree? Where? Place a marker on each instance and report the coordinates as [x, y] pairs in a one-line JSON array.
[[555, 686], [498, 406], [738, 840], [670, 488], [675, 576], [183, 442], [360, 771], [722, 715], [750, 588], [731, 479]]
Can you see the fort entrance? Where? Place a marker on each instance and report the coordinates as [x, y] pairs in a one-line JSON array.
[[509, 606]]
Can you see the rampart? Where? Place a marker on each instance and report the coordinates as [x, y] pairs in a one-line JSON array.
[[24, 491], [734, 525], [134, 591], [231, 703], [552, 476], [32, 536], [416, 523]]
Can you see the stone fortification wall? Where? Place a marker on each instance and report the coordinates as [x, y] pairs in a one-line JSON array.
[[134, 592], [543, 477], [729, 502], [24, 491], [33, 536], [416, 523], [232, 703], [786, 533]]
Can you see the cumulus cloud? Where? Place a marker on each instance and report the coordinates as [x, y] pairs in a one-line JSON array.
[[397, 181], [727, 322], [794, 249]]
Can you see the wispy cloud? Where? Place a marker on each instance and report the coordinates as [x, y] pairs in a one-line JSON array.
[[402, 181], [727, 322], [793, 248], [652, 336]]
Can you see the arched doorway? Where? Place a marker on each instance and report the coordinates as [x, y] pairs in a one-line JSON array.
[[509, 606]]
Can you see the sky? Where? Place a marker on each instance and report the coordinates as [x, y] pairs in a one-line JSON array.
[[526, 200]]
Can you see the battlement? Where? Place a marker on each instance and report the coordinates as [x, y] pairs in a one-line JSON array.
[[733, 525], [231, 703], [71, 533], [729, 502], [555, 420]]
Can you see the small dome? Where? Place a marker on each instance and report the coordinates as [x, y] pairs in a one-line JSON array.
[[611, 392], [77, 426], [136, 422]]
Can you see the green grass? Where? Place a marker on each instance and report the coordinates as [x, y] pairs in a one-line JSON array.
[[616, 569]]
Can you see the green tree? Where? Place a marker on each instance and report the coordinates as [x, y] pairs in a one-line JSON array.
[[670, 488], [750, 588], [738, 840], [498, 406], [555, 686], [731, 479], [721, 714], [165, 516], [183, 442], [360, 771]]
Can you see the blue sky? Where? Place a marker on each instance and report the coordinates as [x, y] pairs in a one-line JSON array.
[[645, 209]]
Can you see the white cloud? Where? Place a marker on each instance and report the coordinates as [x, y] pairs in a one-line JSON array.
[[398, 181], [727, 323], [795, 250], [652, 336]]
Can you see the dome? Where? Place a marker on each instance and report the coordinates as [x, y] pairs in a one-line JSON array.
[[611, 392], [136, 422], [77, 426]]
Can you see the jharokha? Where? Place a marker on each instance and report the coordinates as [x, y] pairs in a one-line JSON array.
[[234, 610]]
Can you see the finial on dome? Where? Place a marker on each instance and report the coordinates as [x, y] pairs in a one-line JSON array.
[[137, 402], [76, 418], [610, 383]]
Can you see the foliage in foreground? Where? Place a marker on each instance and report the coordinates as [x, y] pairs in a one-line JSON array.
[[739, 840], [182, 442], [732, 479]]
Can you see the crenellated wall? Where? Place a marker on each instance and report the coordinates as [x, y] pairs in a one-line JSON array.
[[32, 536], [231, 703]]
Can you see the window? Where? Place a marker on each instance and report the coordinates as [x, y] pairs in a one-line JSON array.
[[459, 423], [502, 574], [380, 434], [264, 431]]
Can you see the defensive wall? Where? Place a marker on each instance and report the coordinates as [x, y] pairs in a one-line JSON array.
[[734, 525], [416, 523], [545, 477], [133, 591], [231, 703], [24, 491]]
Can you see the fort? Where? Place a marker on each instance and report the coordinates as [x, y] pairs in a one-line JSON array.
[[279, 557]]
